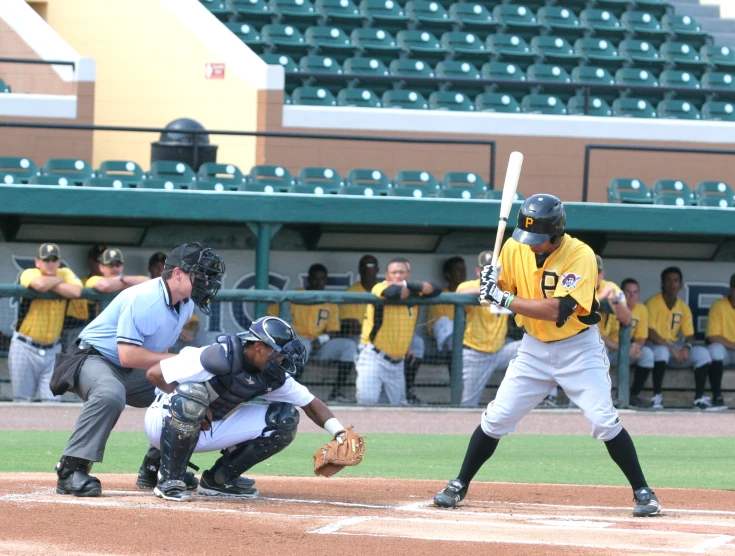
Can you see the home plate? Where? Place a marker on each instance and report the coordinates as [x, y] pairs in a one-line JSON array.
[[572, 523]]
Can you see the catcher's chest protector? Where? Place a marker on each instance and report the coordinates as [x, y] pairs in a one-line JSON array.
[[244, 386]]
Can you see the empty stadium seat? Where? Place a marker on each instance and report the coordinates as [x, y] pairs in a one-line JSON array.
[[385, 14], [299, 13], [615, 7], [415, 183], [473, 18], [53, 180], [597, 107], [368, 182], [555, 50], [16, 170], [331, 78], [644, 26], [362, 98], [286, 39], [633, 108], [376, 43], [413, 68], [126, 171], [543, 104], [216, 186], [718, 110], [402, 98], [462, 185], [599, 52], [497, 195], [636, 77], [162, 183], [655, 7], [4, 87], [365, 72], [722, 58], [686, 82], [684, 29], [510, 48], [497, 102], [289, 67], [507, 72], [428, 15], [329, 41], [318, 181], [313, 96], [551, 74], [172, 170], [421, 45], [714, 194], [673, 187], [561, 22], [628, 190], [641, 54], [683, 57], [341, 13], [668, 198], [602, 24], [450, 100], [593, 75], [218, 8], [459, 70], [73, 169], [220, 177], [255, 12], [678, 109], [249, 35], [114, 183], [270, 179], [517, 20], [723, 82], [464, 46]]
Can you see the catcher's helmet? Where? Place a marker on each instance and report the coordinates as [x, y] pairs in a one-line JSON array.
[[205, 268], [541, 217], [282, 338]]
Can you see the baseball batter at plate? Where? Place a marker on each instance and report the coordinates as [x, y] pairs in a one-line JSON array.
[[548, 279]]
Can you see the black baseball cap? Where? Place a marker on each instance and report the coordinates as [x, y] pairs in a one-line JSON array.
[[184, 256], [95, 252], [47, 250], [158, 257], [732, 281], [485, 258], [111, 255], [600, 267]]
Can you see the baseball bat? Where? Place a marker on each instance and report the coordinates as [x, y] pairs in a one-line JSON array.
[[512, 175]]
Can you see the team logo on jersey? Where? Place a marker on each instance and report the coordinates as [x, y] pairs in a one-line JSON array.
[[569, 280]]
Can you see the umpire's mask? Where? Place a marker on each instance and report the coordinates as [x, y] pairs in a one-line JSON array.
[[206, 269]]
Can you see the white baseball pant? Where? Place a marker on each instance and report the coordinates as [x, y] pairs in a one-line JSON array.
[[645, 360], [336, 349], [478, 368], [379, 378], [698, 356], [443, 330], [30, 370], [718, 352]]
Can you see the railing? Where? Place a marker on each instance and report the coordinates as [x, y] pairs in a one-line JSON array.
[[36, 61]]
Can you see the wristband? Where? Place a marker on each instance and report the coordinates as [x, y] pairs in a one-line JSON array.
[[509, 300], [414, 286], [333, 426], [323, 339], [122, 278], [687, 345]]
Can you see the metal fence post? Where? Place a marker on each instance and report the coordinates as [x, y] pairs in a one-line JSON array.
[[455, 379], [262, 263], [623, 366]]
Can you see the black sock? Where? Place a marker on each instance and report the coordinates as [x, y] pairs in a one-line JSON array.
[[715, 378], [343, 371], [480, 449], [639, 380], [622, 451], [659, 368], [411, 369], [700, 380]]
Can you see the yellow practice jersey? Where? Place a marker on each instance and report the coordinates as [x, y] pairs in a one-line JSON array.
[[353, 310], [668, 323], [638, 324], [721, 320], [437, 311], [310, 321], [485, 330], [43, 319], [571, 270], [389, 327], [606, 317]]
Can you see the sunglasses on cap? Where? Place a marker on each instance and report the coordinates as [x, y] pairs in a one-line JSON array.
[[114, 264], [51, 259]]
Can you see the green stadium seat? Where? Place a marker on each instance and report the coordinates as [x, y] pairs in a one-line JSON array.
[[363, 98], [299, 13], [421, 45], [162, 183], [329, 41], [218, 8], [497, 102], [289, 67], [683, 57], [599, 52], [53, 180], [561, 22], [318, 181], [672, 199], [635, 78], [255, 12], [473, 18], [714, 194], [602, 24], [592, 75], [413, 68], [415, 183], [543, 104], [125, 170], [641, 54], [684, 29], [633, 108], [556, 51], [466, 47], [114, 183], [384, 14], [227, 176], [428, 15], [597, 107], [368, 182], [459, 70], [508, 72], [678, 110], [216, 186], [178, 172], [674, 187], [340, 13], [312, 96], [628, 190], [722, 58], [517, 20], [249, 35], [723, 82], [365, 72], [402, 98], [270, 179], [654, 7], [4, 87], [376, 43], [510, 48], [552, 74], [17, 170], [450, 100], [644, 26], [285, 39], [333, 80], [719, 111], [684, 80], [73, 169], [462, 185], [286, 98], [615, 7], [497, 195]]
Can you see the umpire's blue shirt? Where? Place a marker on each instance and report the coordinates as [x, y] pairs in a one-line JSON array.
[[141, 315]]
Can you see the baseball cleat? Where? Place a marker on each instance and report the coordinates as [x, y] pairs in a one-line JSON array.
[[657, 402], [172, 490], [646, 503], [703, 402], [237, 489], [148, 479], [74, 478], [718, 404], [452, 495]]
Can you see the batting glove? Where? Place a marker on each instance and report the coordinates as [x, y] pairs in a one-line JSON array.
[[495, 295], [491, 273]]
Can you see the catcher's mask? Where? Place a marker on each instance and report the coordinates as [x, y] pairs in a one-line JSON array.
[[284, 341], [205, 268], [541, 217]]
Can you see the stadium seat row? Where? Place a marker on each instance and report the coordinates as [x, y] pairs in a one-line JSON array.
[[671, 192]]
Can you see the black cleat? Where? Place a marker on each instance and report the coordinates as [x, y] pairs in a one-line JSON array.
[[236, 489], [646, 503], [74, 478], [148, 478], [452, 495], [173, 490]]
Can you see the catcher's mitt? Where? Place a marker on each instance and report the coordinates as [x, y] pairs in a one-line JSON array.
[[347, 448]]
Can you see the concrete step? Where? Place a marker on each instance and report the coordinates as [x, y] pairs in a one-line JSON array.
[[695, 10], [716, 25], [724, 39]]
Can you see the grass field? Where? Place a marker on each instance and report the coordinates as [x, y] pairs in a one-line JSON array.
[[667, 461]]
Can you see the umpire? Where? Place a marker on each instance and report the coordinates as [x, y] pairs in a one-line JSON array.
[[106, 367]]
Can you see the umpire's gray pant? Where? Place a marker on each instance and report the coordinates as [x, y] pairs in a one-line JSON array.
[[30, 370], [105, 389]]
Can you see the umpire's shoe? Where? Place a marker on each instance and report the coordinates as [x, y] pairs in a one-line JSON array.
[[242, 487], [173, 490], [74, 478], [148, 478], [646, 503], [452, 495]]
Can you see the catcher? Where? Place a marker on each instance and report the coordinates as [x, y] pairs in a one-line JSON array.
[[201, 407]]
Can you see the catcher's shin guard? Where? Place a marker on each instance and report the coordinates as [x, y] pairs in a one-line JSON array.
[[181, 429], [282, 420]]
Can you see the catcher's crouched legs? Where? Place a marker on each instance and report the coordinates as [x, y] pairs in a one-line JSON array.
[[148, 472], [223, 479]]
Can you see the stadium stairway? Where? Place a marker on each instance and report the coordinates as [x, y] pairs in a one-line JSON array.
[[721, 27]]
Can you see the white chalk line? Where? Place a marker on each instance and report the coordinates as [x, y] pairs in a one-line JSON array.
[[333, 527], [711, 544]]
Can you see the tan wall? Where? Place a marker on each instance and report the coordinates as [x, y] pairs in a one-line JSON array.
[[150, 71]]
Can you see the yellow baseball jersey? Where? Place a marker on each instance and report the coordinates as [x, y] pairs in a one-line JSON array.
[[310, 321], [43, 319], [353, 310], [638, 323], [606, 317], [570, 270], [721, 320], [437, 311], [485, 331], [669, 322], [389, 327]]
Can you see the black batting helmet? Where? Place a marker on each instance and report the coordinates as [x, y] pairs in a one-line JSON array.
[[542, 217]]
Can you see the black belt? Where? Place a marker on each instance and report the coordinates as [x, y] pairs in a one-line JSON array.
[[35, 344], [387, 357], [572, 336]]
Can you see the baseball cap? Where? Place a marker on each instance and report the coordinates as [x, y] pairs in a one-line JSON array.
[[95, 252], [732, 281], [157, 257], [599, 263], [184, 256], [111, 255], [485, 258], [49, 250]]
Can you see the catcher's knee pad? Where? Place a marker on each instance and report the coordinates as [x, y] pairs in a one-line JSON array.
[[281, 422], [181, 427]]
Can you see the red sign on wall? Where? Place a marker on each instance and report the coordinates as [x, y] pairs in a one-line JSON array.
[[214, 71]]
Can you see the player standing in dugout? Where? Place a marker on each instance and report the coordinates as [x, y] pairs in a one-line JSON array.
[[548, 279]]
